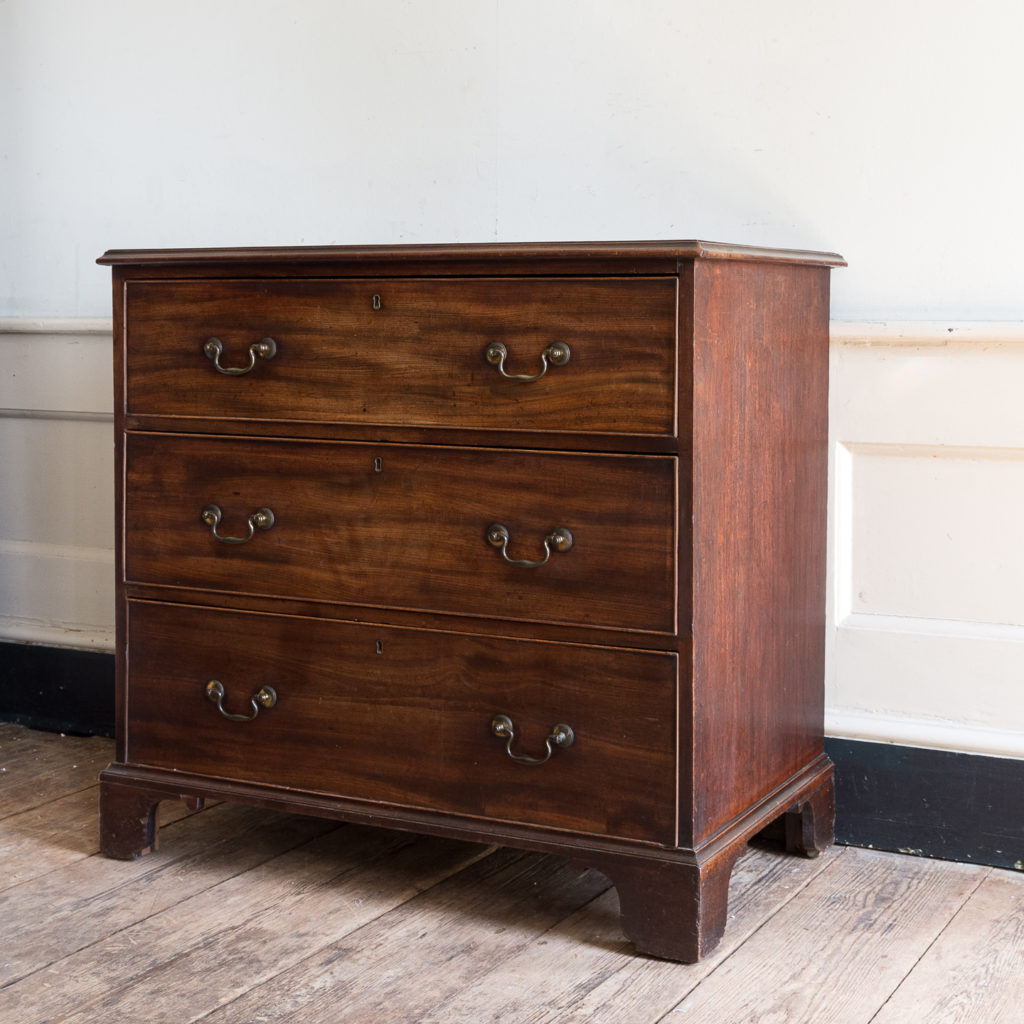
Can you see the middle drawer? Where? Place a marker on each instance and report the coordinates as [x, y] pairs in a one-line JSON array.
[[430, 528]]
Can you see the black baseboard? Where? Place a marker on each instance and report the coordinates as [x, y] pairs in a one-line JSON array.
[[929, 803], [57, 689]]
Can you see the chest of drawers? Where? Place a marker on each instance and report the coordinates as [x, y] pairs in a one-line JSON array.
[[522, 544]]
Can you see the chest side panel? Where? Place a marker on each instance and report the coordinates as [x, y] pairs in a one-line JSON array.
[[760, 380]]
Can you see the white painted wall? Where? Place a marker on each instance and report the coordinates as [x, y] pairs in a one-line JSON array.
[[56, 483], [926, 638], [887, 131]]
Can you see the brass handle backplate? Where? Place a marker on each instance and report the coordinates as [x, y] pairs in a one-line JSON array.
[[264, 697], [556, 354], [561, 735], [265, 348], [261, 519], [559, 539]]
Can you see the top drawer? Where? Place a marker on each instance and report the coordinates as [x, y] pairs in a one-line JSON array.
[[409, 352]]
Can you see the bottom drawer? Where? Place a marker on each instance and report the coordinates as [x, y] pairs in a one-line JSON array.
[[404, 716]]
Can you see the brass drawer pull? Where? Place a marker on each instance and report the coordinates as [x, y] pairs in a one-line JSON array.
[[264, 697], [556, 354], [560, 736], [559, 539], [266, 348], [261, 519]]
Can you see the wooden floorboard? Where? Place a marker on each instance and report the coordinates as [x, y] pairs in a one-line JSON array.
[[34, 772], [974, 972], [247, 916], [608, 983], [856, 931], [37, 767], [91, 899], [403, 963]]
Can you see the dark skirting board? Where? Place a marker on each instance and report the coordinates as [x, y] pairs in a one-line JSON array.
[[929, 803], [57, 689]]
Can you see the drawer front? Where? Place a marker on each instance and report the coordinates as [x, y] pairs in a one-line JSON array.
[[418, 360], [404, 717], [408, 527]]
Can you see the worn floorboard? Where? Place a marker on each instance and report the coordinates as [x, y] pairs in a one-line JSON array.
[[37, 767], [247, 916], [974, 972], [607, 982], [857, 930]]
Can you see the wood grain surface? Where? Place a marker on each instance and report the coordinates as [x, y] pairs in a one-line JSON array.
[[417, 360], [250, 915], [404, 716], [760, 426], [880, 913], [479, 257], [413, 534]]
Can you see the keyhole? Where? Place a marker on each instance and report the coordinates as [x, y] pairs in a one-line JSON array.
[[378, 465], [380, 646], [376, 302]]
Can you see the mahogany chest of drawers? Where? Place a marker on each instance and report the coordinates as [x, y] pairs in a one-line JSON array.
[[522, 544]]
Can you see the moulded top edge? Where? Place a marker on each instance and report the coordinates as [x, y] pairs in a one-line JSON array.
[[496, 251]]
